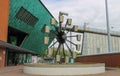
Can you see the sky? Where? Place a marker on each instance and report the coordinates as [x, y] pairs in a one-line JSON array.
[[87, 11]]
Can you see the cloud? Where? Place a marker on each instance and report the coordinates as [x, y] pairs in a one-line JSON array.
[[91, 11]]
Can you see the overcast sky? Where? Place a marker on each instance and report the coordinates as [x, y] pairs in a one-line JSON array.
[[90, 11]]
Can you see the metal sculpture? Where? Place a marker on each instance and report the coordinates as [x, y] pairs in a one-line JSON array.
[[61, 35]]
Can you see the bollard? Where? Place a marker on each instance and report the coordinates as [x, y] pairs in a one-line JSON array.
[[72, 60]]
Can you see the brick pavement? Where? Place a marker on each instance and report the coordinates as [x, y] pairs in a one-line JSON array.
[[17, 71]]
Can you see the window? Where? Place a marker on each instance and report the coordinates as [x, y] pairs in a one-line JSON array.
[[26, 17], [98, 50]]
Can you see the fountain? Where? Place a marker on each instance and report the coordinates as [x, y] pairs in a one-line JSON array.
[[63, 65]]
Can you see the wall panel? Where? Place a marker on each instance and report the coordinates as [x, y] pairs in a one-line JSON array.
[[98, 44], [4, 11]]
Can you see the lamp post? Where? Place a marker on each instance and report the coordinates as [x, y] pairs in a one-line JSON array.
[[108, 27]]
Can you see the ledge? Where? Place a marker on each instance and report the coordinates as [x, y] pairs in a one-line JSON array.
[[64, 69]]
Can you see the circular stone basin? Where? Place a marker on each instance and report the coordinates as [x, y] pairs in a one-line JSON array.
[[64, 69]]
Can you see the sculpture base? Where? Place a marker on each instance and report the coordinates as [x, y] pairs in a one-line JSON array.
[[64, 69]]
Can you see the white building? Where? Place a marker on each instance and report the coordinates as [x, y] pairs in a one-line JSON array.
[[95, 41]]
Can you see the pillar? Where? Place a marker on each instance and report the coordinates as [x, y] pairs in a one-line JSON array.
[[4, 12]]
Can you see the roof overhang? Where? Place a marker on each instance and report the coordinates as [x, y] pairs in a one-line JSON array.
[[15, 48]]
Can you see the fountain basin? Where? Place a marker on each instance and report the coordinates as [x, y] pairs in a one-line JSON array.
[[64, 69]]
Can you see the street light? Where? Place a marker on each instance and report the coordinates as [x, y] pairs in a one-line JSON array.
[[108, 27]]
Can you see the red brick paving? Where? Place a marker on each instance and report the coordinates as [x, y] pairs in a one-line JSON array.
[[17, 71]]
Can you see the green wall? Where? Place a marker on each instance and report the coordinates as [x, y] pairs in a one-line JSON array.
[[34, 41]]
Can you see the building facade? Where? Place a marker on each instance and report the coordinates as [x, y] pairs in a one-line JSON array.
[[21, 30], [95, 41], [95, 47]]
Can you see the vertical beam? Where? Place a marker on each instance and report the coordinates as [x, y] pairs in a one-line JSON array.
[[4, 12], [63, 51], [69, 49], [70, 40], [58, 49], [85, 44], [108, 27]]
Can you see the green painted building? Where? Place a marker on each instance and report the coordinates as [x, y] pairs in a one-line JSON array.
[[27, 19], [30, 17]]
